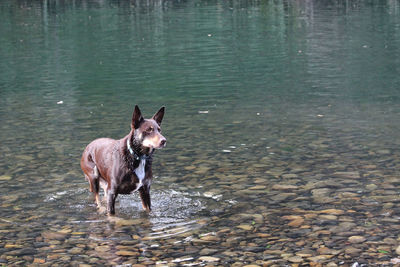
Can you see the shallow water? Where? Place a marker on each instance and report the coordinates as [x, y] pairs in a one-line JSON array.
[[282, 124]]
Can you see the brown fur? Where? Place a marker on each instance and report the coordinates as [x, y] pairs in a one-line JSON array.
[[110, 163]]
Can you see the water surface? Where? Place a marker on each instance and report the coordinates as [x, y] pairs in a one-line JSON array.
[[282, 124]]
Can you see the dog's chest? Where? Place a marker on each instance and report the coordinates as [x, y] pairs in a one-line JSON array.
[[139, 171], [130, 184]]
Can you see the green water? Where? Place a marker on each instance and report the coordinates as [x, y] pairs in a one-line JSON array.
[[282, 120]]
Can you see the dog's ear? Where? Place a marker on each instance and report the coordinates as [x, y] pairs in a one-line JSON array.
[[137, 118], [159, 115]]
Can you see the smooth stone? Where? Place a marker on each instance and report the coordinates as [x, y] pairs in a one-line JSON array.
[[291, 217], [5, 177], [319, 258], [328, 217], [351, 175], [210, 238], [284, 187], [257, 187], [13, 246], [127, 253], [207, 251], [320, 192], [295, 259], [356, 239], [371, 187], [75, 251], [54, 235], [398, 250], [332, 211], [102, 248], [282, 197], [39, 260], [289, 176], [353, 251], [22, 252], [246, 227], [209, 259], [296, 222]]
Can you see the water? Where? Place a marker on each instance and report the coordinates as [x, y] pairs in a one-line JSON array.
[[282, 124]]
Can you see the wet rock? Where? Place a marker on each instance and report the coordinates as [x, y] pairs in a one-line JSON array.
[[127, 253], [54, 235], [282, 197], [102, 248], [5, 177], [328, 217], [352, 251], [75, 251], [348, 175], [295, 259], [284, 187], [296, 223], [210, 238], [245, 227], [320, 192], [343, 227], [398, 250], [320, 258], [331, 264], [257, 187], [371, 187], [209, 259], [22, 252], [207, 251], [332, 211], [356, 239], [39, 260]]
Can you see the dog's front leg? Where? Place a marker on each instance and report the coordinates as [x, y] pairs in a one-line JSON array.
[[144, 193], [111, 196]]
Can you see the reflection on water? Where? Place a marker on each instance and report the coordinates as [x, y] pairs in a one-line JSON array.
[[282, 120]]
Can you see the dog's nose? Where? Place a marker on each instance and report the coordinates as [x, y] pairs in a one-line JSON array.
[[163, 142]]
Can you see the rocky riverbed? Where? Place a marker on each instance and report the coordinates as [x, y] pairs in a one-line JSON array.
[[317, 208]]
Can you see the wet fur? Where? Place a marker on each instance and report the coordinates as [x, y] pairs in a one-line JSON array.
[[110, 164]]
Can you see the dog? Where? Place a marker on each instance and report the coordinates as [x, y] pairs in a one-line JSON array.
[[124, 166]]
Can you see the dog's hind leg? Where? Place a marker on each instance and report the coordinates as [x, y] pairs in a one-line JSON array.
[[92, 175]]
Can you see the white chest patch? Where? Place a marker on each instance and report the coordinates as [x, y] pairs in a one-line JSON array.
[[139, 171]]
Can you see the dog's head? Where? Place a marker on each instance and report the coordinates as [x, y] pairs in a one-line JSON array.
[[148, 131]]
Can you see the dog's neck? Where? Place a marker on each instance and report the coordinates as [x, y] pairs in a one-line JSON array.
[[136, 150], [134, 154]]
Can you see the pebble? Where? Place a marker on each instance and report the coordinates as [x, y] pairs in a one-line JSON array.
[[296, 222], [209, 259], [127, 253], [208, 251], [356, 239], [245, 227], [295, 259], [398, 250], [5, 177], [284, 187], [54, 235]]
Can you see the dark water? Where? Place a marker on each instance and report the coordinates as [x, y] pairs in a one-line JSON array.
[[282, 120]]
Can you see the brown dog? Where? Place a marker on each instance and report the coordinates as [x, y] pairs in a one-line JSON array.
[[124, 166]]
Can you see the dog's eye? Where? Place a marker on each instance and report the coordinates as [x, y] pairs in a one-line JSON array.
[[149, 130]]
